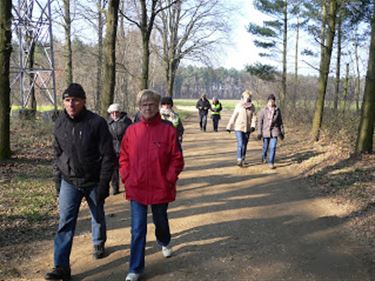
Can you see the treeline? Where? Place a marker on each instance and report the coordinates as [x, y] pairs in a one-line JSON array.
[[191, 81]]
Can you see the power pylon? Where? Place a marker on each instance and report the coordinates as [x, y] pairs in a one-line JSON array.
[[33, 65]]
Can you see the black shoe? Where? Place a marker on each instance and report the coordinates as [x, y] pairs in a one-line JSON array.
[[58, 273], [98, 251]]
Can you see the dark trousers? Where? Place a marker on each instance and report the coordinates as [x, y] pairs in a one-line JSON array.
[[115, 181], [215, 121]]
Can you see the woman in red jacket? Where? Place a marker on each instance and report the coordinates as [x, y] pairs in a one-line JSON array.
[[150, 161]]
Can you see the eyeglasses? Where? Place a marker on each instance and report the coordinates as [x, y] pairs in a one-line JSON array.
[[148, 104]]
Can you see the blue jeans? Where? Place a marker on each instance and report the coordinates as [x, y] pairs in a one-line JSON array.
[[70, 200], [202, 121], [139, 231], [242, 140], [269, 143]]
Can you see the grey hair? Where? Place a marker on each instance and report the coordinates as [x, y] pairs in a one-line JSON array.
[[148, 94]]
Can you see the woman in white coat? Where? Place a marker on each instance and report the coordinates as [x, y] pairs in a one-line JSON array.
[[242, 122]]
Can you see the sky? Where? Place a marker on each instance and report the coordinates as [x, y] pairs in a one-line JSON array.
[[242, 50]]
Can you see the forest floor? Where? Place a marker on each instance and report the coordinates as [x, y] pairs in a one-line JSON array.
[[311, 218]]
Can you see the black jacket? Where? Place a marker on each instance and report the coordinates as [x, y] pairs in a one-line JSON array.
[[84, 154], [118, 129], [203, 105]]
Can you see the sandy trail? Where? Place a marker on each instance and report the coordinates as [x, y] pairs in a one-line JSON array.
[[228, 223]]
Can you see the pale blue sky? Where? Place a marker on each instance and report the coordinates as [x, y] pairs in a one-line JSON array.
[[242, 50]]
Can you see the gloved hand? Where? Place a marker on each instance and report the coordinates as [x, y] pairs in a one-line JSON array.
[[281, 136], [102, 192], [252, 129], [57, 187], [259, 136], [228, 130]]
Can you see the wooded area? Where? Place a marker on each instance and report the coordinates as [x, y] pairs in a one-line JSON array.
[[149, 44]]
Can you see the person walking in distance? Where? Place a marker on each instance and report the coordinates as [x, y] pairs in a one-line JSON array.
[[243, 122], [215, 115], [150, 161], [270, 128], [118, 122], [83, 166], [203, 106]]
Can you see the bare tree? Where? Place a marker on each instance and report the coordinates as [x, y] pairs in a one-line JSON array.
[[190, 29], [366, 126], [328, 35], [109, 51], [5, 51], [146, 14]]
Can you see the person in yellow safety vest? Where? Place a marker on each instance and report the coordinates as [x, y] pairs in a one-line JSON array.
[[167, 113], [215, 115]]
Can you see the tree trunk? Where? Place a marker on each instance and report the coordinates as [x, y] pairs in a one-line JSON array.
[[30, 65], [99, 62], [346, 89], [172, 77], [338, 62], [358, 78], [294, 99], [109, 75], [5, 51], [283, 96], [325, 61], [145, 61], [366, 126], [68, 44]]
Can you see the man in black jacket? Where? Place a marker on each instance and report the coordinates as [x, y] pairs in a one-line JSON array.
[[203, 106], [84, 163]]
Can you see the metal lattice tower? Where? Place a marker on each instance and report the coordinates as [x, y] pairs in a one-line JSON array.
[[32, 29]]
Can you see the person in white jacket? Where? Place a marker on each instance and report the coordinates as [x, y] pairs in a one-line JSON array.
[[242, 122]]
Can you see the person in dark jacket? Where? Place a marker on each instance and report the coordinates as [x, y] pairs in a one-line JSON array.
[[118, 122], [215, 115], [203, 105], [270, 128], [83, 167], [150, 161]]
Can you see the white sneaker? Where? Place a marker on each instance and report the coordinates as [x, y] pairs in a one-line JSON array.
[[167, 251], [132, 277]]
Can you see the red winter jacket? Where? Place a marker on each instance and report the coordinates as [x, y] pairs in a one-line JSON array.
[[150, 161]]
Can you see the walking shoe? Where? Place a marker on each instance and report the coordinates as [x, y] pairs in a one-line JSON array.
[[271, 166], [244, 164], [132, 277], [167, 251], [58, 273], [98, 252], [239, 163]]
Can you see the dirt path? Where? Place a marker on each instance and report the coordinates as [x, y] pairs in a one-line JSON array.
[[228, 223]]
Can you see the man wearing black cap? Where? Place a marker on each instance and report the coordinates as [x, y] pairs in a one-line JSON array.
[[83, 167]]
